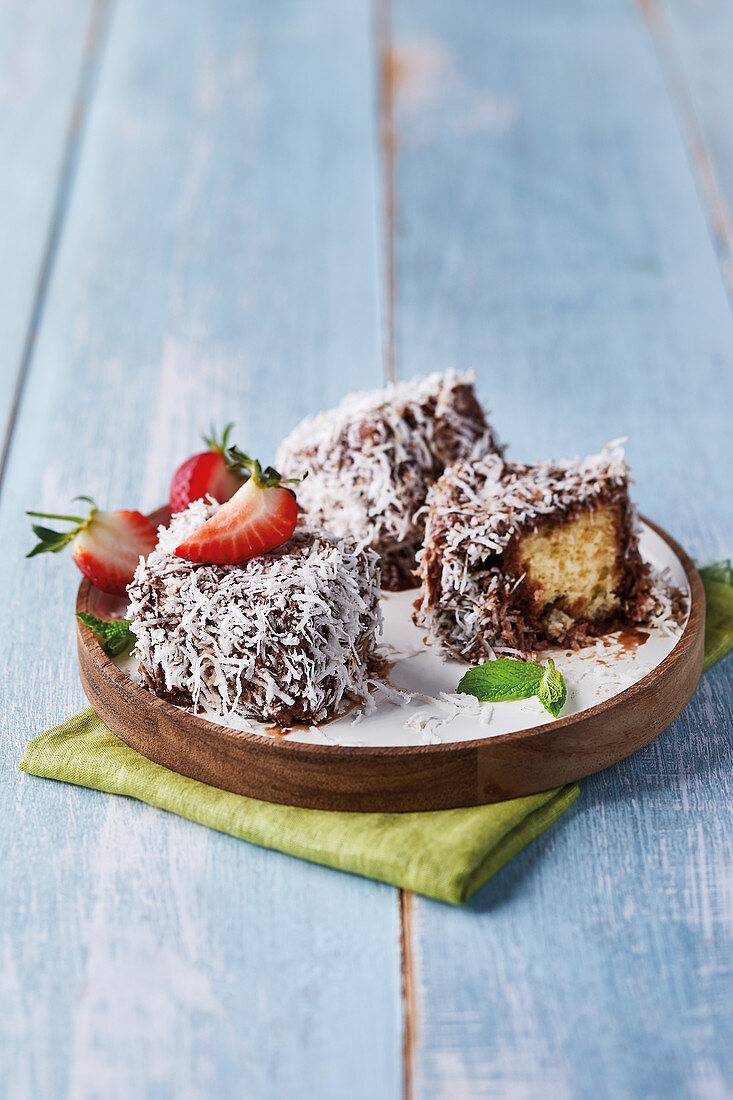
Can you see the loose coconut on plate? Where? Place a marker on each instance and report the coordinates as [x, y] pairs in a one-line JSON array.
[[371, 461], [288, 636], [517, 556]]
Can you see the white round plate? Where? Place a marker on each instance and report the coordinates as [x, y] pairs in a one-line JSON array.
[[430, 712]]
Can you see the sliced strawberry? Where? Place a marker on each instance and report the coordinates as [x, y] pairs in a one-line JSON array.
[[211, 473], [109, 548], [259, 517], [106, 546]]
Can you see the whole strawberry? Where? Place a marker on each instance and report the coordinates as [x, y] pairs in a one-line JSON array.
[[106, 546], [212, 473], [260, 516]]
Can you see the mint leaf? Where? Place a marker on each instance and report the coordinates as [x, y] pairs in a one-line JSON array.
[[118, 638], [502, 680], [508, 679], [552, 693]]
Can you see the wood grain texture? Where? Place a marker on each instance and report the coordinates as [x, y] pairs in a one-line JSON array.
[[218, 260], [395, 780], [694, 39], [46, 52], [550, 233]]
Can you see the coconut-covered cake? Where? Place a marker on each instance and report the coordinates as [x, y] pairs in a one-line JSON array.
[[371, 461], [517, 556], [285, 637]]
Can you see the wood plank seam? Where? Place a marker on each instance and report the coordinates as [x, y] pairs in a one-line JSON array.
[[711, 194], [387, 144], [409, 1018], [581, 215], [96, 35], [200, 117]]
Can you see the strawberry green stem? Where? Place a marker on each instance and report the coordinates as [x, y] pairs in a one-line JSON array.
[[269, 478], [53, 515], [52, 541], [214, 443]]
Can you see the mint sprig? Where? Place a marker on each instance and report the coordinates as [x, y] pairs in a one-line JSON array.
[[118, 638], [508, 678]]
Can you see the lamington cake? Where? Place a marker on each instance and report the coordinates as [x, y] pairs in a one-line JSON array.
[[285, 637], [517, 556], [371, 460]]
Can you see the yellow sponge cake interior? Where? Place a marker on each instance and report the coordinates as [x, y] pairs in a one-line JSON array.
[[572, 569]]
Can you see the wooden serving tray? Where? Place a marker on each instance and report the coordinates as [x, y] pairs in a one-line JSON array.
[[404, 777]]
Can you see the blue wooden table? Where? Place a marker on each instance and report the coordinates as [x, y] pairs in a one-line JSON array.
[[241, 210]]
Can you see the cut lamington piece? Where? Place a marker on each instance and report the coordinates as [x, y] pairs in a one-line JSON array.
[[519, 556], [286, 637], [371, 461]]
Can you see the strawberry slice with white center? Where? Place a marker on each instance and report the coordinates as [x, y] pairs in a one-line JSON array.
[[261, 516], [106, 546], [213, 473]]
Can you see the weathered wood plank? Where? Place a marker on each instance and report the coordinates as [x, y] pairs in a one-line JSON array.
[[550, 233], [552, 264], [695, 45], [219, 261], [45, 50]]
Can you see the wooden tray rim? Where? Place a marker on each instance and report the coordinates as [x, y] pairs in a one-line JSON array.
[[199, 724]]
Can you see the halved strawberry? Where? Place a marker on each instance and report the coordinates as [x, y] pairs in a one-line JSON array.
[[211, 473], [259, 517], [106, 546]]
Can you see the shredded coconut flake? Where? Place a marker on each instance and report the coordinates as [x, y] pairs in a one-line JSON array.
[[371, 460], [288, 636], [467, 601], [449, 707]]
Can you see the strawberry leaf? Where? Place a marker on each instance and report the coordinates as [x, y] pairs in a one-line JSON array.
[[502, 680], [214, 443], [552, 693], [269, 478], [116, 633], [49, 541]]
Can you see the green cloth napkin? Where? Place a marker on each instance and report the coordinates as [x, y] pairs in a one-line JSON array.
[[446, 854], [718, 581]]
